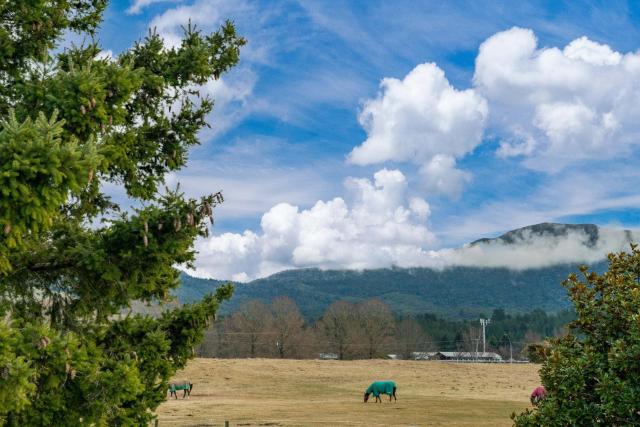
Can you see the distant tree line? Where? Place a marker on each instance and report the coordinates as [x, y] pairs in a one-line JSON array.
[[368, 330], [521, 329]]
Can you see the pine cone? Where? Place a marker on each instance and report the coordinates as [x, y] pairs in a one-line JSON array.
[[43, 343]]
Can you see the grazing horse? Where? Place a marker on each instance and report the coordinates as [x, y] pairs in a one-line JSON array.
[[537, 395], [186, 386], [381, 387]]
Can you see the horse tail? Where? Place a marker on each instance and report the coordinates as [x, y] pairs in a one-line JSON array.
[[190, 387]]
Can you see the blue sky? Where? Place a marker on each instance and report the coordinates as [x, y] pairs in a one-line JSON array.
[[493, 116]]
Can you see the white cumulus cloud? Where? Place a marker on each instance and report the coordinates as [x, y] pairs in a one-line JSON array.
[[556, 107], [424, 120], [379, 226], [441, 175]]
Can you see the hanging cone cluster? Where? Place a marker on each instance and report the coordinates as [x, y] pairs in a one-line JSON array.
[[145, 235], [71, 372], [191, 219], [206, 210], [43, 342]]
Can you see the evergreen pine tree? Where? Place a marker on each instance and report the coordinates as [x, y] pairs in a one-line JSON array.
[[71, 260]]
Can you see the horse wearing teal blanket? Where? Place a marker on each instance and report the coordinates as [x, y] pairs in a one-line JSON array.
[[186, 386], [381, 387]]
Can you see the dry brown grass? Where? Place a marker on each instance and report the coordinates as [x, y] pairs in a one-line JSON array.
[[268, 392]]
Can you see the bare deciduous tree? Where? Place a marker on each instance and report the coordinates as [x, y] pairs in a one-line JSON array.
[[249, 330], [288, 327], [410, 337], [214, 342], [377, 326], [339, 326]]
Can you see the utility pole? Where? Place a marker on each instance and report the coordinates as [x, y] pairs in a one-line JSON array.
[[510, 348], [484, 323]]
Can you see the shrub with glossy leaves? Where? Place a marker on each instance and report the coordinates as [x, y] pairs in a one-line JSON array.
[[592, 375]]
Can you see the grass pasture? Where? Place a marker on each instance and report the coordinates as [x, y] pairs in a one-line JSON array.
[[271, 392]]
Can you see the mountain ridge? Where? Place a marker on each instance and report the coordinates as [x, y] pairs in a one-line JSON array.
[[453, 291], [544, 229]]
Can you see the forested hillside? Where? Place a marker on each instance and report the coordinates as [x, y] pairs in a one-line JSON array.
[[460, 292]]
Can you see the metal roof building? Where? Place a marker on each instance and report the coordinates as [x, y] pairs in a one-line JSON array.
[[467, 356]]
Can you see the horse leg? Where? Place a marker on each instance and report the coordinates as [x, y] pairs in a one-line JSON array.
[[395, 399]]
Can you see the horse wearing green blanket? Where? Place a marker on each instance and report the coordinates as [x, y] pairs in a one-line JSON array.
[[180, 385], [381, 387]]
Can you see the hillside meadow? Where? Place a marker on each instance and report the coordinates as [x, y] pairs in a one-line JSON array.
[[272, 392]]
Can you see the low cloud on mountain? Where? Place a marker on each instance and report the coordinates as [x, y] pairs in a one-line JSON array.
[[333, 235], [532, 250]]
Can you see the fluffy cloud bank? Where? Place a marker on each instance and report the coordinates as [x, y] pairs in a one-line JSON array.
[[424, 120], [552, 107], [380, 226], [291, 239], [556, 107]]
